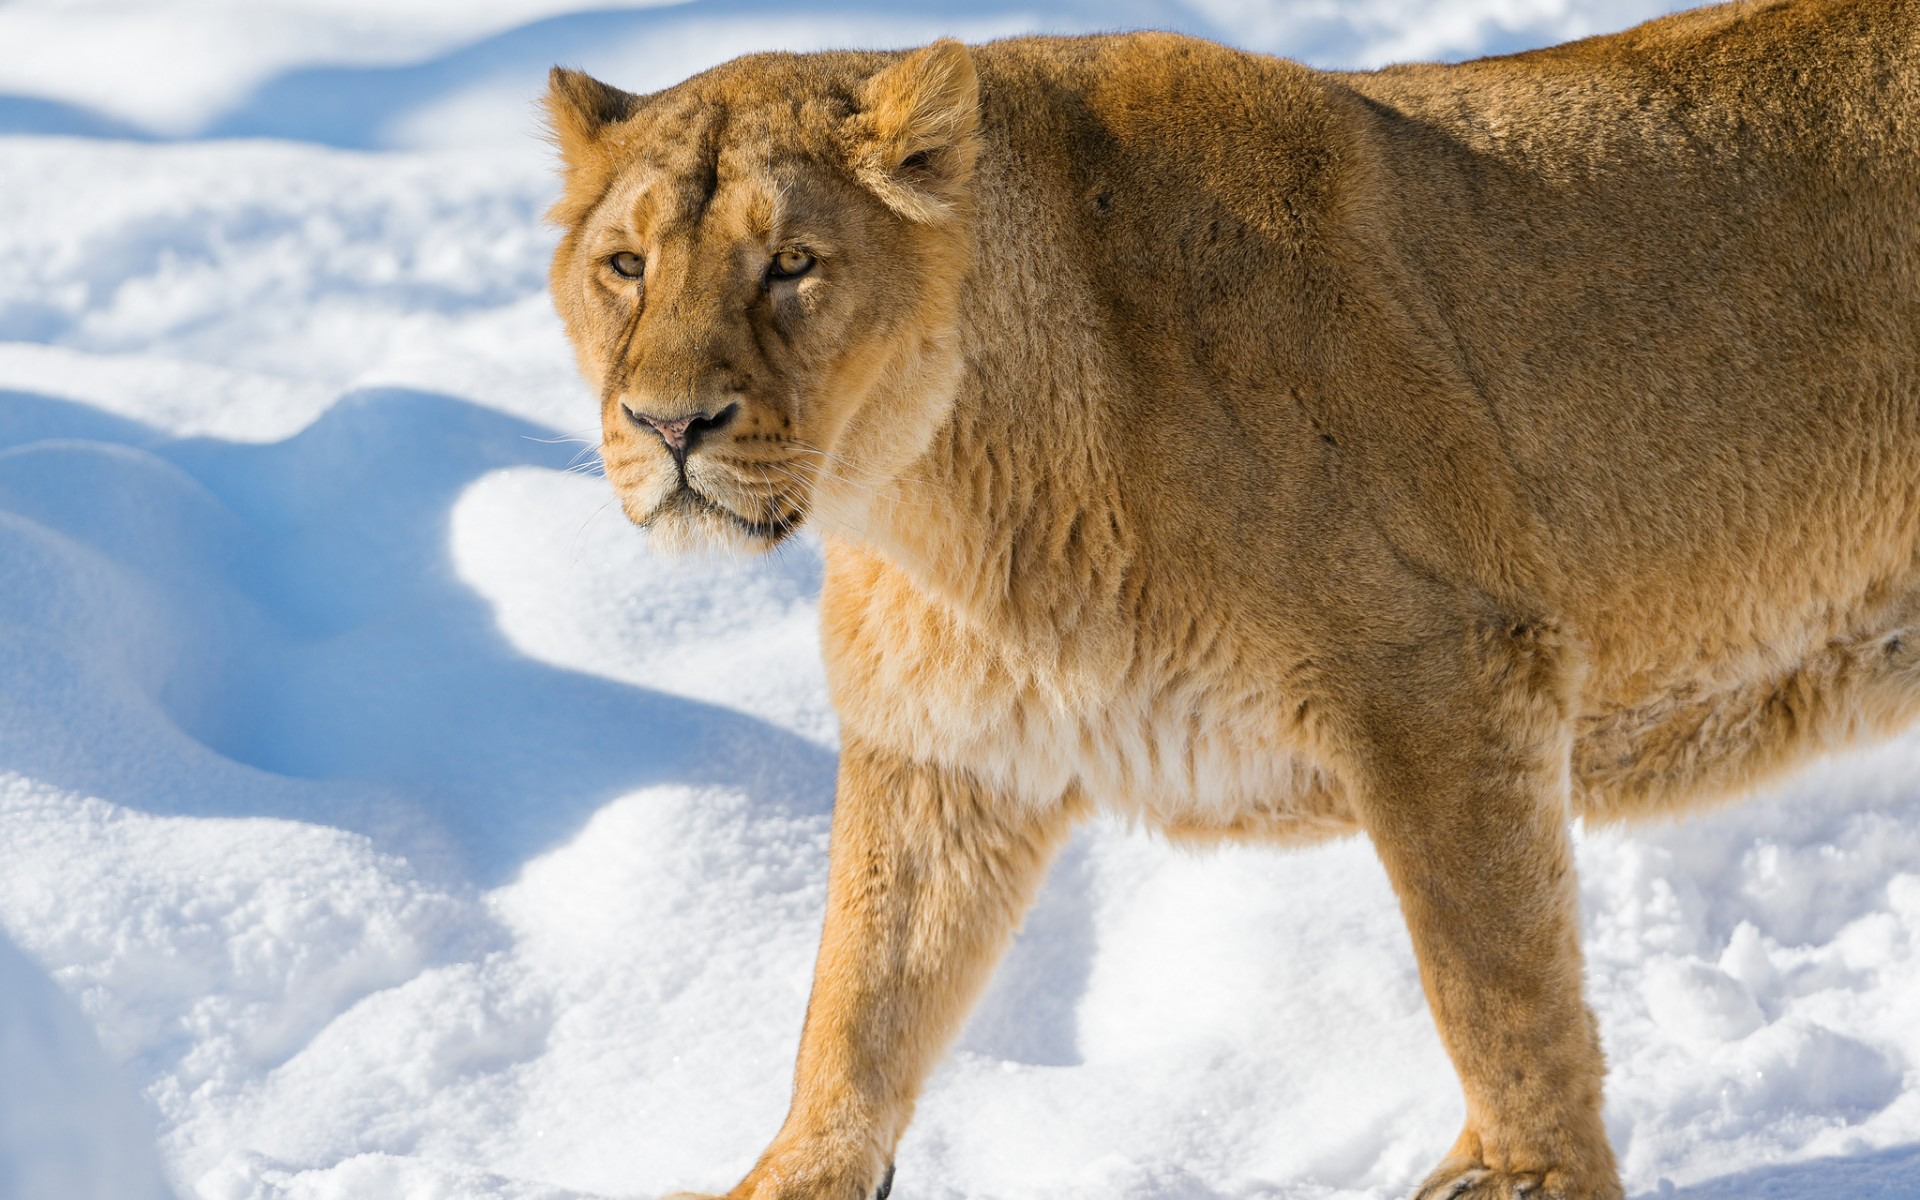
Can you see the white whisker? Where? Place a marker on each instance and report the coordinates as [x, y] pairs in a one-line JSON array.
[[577, 435], [573, 543]]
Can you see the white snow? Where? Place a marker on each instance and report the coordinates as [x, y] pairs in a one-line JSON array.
[[380, 819]]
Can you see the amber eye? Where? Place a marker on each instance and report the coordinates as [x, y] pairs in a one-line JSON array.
[[628, 265], [790, 264]]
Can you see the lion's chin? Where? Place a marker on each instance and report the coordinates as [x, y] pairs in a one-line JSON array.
[[689, 522]]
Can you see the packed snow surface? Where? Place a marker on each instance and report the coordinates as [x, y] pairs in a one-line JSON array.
[[379, 818]]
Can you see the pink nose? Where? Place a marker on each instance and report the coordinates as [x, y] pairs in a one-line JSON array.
[[673, 433], [681, 434]]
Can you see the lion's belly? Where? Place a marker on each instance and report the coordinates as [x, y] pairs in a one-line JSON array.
[[1170, 764], [1191, 759], [1200, 768], [1190, 742]]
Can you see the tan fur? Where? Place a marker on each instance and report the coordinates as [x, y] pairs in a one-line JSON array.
[[1259, 452]]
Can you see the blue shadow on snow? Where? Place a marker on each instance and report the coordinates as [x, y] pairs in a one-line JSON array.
[[57, 118], [319, 635], [1892, 1174]]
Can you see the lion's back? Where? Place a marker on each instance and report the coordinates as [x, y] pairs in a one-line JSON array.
[[1682, 266]]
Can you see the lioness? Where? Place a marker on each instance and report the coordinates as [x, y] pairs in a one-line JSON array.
[[1443, 452]]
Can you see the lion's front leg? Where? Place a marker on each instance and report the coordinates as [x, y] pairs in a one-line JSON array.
[[930, 875], [1465, 798]]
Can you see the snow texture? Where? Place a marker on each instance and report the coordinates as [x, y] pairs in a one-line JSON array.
[[380, 819]]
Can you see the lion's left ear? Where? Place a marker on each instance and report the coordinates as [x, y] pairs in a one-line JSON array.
[[914, 137]]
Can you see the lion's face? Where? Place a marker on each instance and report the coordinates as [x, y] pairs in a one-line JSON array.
[[758, 275]]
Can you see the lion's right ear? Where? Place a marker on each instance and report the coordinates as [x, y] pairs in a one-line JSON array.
[[579, 110], [914, 137]]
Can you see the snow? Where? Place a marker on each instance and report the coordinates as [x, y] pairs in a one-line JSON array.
[[380, 818]]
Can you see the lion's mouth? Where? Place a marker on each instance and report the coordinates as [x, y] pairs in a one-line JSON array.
[[690, 500]]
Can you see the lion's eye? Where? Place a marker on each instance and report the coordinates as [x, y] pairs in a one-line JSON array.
[[790, 264], [627, 265]]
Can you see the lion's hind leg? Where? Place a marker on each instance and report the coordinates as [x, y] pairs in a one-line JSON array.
[[1460, 779], [1695, 748]]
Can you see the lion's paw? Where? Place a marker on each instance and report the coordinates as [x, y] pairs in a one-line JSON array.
[[759, 1187], [1469, 1179]]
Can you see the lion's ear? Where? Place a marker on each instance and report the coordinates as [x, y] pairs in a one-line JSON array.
[[579, 110], [915, 133]]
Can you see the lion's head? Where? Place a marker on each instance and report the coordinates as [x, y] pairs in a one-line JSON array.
[[759, 275]]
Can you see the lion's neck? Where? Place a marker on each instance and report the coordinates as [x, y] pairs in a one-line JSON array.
[[1014, 516]]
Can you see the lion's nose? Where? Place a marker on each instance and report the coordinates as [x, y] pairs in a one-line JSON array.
[[682, 434]]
